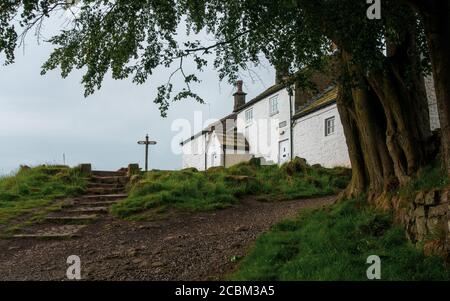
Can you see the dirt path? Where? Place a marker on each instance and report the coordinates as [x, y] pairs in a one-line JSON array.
[[194, 247]]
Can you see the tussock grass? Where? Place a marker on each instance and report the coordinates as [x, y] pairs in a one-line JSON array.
[[430, 177], [333, 244], [32, 188], [190, 190]]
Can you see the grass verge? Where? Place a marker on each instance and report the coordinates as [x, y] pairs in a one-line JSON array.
[[35, 188], [333, 243], [430, 177], [190, 190]]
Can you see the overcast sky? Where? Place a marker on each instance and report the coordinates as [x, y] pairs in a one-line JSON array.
[[44, 117]]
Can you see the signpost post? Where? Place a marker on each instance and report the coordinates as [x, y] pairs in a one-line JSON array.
[[146, 142]]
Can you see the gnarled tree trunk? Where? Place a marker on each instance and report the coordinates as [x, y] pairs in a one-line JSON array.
[[436, 20], [386, 124]]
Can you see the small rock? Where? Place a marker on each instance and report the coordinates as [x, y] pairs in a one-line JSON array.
[[241, 228], [137, 260], [419, 212], [419, 198], [157, 264], [440, 210], [236, 245], [143, 264], [430, 197], [132, 252], [156, 252], [170, 237]]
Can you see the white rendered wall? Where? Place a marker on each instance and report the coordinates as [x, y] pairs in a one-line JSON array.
[[432, 105], [311, 143], [194, 154], [264, 133], [214, 147]]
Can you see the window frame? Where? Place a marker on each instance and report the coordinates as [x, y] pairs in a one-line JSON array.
[[330, 126], [248, 112], [272, 100]]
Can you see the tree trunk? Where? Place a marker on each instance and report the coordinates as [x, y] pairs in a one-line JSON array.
[[346, 108], [436, 19], [386, 124]]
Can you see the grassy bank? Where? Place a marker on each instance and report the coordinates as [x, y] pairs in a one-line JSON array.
[[333, 244], [32, 188], [190, 190], [430, 177]]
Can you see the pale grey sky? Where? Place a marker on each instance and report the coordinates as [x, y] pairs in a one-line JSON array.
[[44, 117]]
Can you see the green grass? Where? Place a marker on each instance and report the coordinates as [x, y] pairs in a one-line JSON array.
[[430, 177], [333, 243], [34, 188], [190, 190]]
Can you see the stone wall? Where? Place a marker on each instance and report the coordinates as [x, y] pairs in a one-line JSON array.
[[426, 218]]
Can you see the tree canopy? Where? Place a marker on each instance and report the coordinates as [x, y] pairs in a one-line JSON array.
[[131, 38], [381, 62]]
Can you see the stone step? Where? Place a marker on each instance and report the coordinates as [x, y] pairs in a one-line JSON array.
[[102, 197], [55, 232], [96, 203], [103, 191], [109, 180], [89, 209], [104, 173], [76, 219], [106, 185]]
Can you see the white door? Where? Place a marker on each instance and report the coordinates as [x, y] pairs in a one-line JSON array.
[[284, 154]]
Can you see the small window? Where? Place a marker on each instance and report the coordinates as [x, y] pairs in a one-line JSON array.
[[273, 105], [283, 124], [249, 116], [329, 126]]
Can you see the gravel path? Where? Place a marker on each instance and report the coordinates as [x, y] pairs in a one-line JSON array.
[[191, 247]]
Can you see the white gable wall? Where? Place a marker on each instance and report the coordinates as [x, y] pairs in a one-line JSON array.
[[311, 143], [264, 133], [214, 153], [194, 153]]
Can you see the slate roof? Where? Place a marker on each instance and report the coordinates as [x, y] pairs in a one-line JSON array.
[[322, 100], [228, 140], [325, 98], [208, 129], [269, 91]]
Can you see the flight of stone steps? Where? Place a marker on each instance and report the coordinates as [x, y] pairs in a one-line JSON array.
[[104, 189]]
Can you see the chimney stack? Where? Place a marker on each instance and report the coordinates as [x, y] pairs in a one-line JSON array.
[[239, 96], [280, 74]]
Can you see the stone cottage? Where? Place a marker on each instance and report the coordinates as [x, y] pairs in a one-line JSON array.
[[279, 124]]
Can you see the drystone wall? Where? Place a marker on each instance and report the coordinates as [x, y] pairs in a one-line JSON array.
[[426, 219]]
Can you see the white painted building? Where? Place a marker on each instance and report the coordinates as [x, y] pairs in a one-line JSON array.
[[432, 103], [318, 133], [265, 122], [275, 122]]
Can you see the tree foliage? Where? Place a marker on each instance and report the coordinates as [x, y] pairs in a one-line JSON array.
[[130, 38]]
